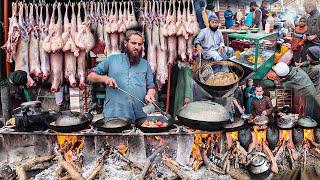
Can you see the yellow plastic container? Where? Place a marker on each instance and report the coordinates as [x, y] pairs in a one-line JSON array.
[[277, 57], [283, 49], [238, 54]]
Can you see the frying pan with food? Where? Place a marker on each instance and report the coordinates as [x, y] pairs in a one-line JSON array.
[[163, 119], [112, 125]]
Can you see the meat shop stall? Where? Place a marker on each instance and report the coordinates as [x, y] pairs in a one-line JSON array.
[[57, 43]]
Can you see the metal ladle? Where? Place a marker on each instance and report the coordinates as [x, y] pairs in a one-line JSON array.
[[147, 108]]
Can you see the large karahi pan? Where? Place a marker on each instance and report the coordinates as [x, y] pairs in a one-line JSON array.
[[215, 91], [204, 115]]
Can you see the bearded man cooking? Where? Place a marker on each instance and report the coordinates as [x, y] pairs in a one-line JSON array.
[[130, 72]]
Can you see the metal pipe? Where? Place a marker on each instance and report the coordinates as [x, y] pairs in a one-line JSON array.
[[168, 88], [6, 31]]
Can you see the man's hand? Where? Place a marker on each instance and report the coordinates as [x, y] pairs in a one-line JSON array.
[[241, 110], [150, 99], [221, 49], [277, 83], [199, 48], [110, 81], [186, 100], [312, 37], [264, 113]]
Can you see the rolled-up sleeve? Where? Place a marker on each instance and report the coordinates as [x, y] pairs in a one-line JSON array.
[[103, 67], [150, 82], [199, 38]]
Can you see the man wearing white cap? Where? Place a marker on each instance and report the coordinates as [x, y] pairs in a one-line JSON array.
[[210, 41], [297, 79]]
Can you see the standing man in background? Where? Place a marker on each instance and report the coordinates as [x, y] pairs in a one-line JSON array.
[[208, 10], [257, 15], [199, 11], [228, 15]]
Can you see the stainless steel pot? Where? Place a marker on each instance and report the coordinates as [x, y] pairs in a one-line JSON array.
[[307, 122], [259, 163], [204, 115]]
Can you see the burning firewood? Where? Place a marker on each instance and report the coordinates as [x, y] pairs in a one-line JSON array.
[[95, 171], [274, 167], [291, 159], [21, 170], [74, 174], [149, 161], [173, 166], [209, 165]]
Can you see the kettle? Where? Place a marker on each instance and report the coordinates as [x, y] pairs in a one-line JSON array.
[[258, 162]]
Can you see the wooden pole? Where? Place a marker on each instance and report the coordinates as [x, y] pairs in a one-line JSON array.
[[168, 88], [6, 31]]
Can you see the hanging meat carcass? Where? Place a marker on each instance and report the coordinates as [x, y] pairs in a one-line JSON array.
[[114, 36], [131, 18], [192, 28], [107, 29], [44, 32], [70, 50], [182, 33], [170, 30], [151, 37], [13, 36], [22, 54], [122, 21], [162, 49], [56, 57], [34, 57]]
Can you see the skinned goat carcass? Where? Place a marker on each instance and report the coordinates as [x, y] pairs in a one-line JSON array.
[[84, 38], [22, 54], [192, 26], [100, 44], [114, 36], [13, 36], [131, 20], [34, 53], [122, 21], [107, 29], [152, 47], [44, 56], [162, 50], [182, 33]]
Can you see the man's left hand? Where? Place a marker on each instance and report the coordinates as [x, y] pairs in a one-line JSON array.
[[264, 113], [221, 49], [150, 99]]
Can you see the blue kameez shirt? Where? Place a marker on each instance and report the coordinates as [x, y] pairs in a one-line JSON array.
[[135, 79]]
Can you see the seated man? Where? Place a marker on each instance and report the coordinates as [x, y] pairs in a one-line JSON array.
[[210, 41], [261, 105], [312, 65]]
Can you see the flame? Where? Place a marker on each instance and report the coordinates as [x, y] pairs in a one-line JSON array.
[[234, 135], [260, 134], [284, 134], [70, 146], [122, 149], [308, 134]]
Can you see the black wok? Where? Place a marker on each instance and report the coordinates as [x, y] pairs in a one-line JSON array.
[[60, 121], [162, 118], [202, 125], [219, 90], [112, 125]]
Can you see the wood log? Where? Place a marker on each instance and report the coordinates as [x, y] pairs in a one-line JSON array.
[[128, 161], [314, 153], [68, 167], [21, 170], [314, 143], [291, 159], [209, 165], [225, 163], [280, 150], [241, 149], [274, 167], [237, 174], [95, 171], [102, 173], [176, 170], [149, 161]]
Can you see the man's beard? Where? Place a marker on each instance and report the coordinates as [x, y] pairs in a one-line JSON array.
[[134, 57], [214, 29]]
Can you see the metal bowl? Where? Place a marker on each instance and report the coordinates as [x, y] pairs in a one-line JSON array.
[[285, 123], [259, 163], [261, 120]]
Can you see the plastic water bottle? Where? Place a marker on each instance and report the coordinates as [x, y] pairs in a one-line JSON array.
[[267, 28]]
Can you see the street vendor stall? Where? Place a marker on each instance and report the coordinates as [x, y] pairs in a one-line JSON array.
[[260, 57]]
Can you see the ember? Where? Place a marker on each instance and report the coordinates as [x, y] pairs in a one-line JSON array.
[[122, 149]]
